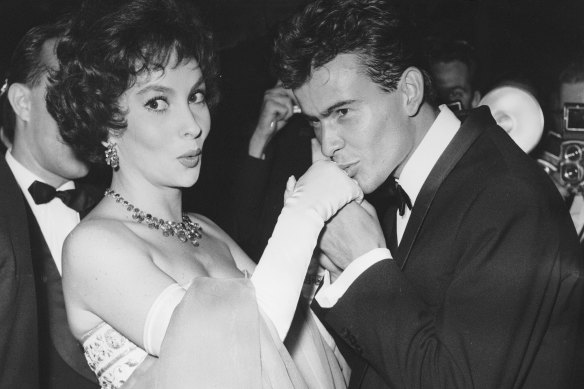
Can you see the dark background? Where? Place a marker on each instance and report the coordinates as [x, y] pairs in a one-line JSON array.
[[511, 35], [521, 38]]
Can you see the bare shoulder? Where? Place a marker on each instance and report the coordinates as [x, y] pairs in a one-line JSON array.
[[100, 241], [208, 225]]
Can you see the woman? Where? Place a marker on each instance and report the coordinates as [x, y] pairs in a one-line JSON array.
[[157, 297]]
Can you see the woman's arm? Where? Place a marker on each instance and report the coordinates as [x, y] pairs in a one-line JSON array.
[[108, 275]]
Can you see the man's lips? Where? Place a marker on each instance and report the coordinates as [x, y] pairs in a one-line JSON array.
[[348, 167]]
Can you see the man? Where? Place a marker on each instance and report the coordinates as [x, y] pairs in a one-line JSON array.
[[570, 89], [453, 67], [280, 146], [484, 286], [37, 349]]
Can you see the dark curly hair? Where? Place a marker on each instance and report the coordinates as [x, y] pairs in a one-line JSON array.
[[27, 66], [373, 29], [110, 44]]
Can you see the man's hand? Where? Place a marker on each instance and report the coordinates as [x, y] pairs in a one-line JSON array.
[[277, 108], [352, 232]]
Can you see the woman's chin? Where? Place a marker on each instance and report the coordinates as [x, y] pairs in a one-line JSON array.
[[190, 181]]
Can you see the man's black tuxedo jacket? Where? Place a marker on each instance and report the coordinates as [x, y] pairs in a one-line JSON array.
[[485, 290], [19, 320]]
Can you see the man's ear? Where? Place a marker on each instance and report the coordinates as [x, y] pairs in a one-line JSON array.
[[476, 99], [19, 97], [412, 86]]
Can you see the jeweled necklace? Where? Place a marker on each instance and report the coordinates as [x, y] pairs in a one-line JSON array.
[[185, 231]]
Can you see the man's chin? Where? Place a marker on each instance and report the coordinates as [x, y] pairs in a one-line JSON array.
[[366, 186]]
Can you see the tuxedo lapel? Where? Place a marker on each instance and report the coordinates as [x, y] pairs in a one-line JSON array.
[[462, 141], [18, 314], [51, 301]]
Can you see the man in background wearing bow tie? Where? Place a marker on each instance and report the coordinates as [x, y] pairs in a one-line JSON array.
[[39, 205], [483, 286]]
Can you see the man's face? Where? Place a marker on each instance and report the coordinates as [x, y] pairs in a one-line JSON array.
[[48, 156], [452, 81], [361, 127]]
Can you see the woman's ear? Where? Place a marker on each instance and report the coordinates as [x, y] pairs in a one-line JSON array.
[[19, 98], [412, 86], [111, 138]]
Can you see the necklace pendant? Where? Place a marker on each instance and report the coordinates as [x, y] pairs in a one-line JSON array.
[[185, 231]]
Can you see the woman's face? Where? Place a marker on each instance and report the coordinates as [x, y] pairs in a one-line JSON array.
[[168, 121]]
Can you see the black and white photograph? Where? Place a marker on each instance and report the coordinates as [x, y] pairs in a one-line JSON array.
[[291, 194]]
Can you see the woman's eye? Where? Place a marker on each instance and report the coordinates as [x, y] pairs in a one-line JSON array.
[[197, 97], [157, 104]]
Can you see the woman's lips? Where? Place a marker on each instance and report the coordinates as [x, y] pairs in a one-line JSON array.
[[191, 158]]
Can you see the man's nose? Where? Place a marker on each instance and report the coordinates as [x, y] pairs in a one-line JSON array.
[[330, 141]]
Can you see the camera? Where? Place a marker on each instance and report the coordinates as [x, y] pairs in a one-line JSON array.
[[563, 153]]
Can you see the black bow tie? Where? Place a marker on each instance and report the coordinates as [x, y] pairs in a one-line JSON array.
[[75, 199], [399, 196]]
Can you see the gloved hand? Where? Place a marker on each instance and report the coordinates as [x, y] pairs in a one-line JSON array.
[[324, 189], [279, 276]]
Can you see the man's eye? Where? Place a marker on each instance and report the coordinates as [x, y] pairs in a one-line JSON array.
[[198, 97], [343, 111], [157, 104], [314, 123]]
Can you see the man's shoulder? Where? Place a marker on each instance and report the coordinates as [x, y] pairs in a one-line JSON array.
[[10, 195]]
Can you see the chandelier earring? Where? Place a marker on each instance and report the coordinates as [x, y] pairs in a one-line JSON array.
[[111, 155]]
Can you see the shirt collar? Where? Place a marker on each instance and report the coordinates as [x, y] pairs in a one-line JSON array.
[[425, 156], [25, 177]]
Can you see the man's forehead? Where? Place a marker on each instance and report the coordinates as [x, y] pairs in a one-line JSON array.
[[329, 83]]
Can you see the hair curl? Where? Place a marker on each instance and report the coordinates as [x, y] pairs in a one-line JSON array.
[[372, 29], [109, 46]]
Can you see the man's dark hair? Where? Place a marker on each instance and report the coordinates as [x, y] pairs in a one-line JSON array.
[[450, 50], [111, 44], [27, 66], [375, 30]]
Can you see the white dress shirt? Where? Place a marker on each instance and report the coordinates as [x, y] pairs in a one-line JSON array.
[[577, 213], [55, 219], [413, 176]]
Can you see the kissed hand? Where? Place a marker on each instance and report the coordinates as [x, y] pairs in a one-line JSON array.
[[352, 232]]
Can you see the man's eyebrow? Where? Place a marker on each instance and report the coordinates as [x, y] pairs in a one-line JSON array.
[[327, 112]]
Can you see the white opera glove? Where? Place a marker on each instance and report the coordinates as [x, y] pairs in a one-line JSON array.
[[324, 188], [317, 196]]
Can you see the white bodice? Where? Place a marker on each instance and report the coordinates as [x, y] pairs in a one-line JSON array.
[[111, 356]]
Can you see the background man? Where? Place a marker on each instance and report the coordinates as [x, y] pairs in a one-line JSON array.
[[484, 288], [453, 66], [37, 349]]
